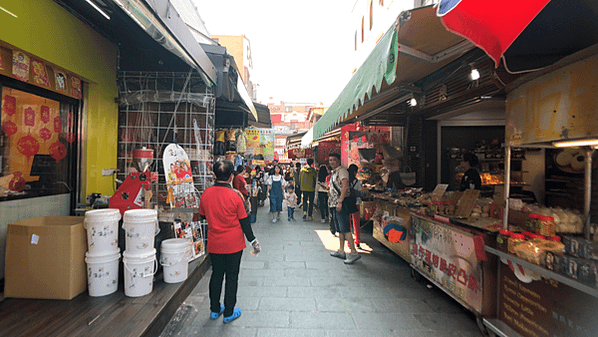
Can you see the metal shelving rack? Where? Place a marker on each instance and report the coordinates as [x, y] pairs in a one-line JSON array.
[[159, 108]]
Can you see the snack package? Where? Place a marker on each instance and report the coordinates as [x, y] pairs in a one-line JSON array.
[[580, 247]]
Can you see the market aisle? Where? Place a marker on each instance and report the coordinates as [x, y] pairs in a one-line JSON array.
[[295, 288]]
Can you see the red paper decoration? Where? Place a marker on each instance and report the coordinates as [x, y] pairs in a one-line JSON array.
[[57, 125], [69, 120], [57, 151], [70, 137], [10, 105], [17, 183], [29, 117], [9, 128], [28, 146], [45, 114], [45, 134]]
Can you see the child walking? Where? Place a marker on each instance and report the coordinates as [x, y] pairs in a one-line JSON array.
[[291, 198]]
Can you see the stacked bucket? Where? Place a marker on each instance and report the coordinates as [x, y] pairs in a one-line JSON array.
[[139, 257], [103, 255], [174, 258]]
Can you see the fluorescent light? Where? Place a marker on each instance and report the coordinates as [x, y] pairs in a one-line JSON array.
[[92, 4], [9, 13], [577, 142], [474, 75]]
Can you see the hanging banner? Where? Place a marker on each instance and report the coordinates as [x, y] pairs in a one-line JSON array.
[[20, 65], [29, 117], [363, 144], [267, 143], [10, 105], [326, 148], [76, 87], [57, 125], [260, 144], [60, 77], [40, 76], [45, 114]]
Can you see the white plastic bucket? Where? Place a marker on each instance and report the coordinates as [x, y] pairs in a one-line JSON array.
[[102, 230], [102, 273], [174, 257], [139, 273], [140, 227]]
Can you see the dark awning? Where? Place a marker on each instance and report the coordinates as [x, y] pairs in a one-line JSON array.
[[263, 117]]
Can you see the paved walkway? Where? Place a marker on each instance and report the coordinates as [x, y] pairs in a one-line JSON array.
[[295, 288]]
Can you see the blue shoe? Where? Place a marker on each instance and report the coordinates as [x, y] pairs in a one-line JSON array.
[[236, 314], [215, 315]]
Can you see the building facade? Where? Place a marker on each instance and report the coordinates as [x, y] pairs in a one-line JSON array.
[[240, 48]]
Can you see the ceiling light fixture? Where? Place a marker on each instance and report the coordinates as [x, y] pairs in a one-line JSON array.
[[413, 102], [92, 4], [577, 142], [474, 75], [9, 13]]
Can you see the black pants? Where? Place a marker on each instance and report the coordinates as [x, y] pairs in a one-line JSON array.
[[298, 194], [308, 197], [224, 264], [323, 200]]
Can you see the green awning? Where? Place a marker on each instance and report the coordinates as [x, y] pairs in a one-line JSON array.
[[380, 65]]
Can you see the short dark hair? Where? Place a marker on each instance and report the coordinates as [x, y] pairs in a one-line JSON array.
[[310, 161], [223, 169], [471, 158], [240, 169], [298, 165], [290, 187], [335, 155]]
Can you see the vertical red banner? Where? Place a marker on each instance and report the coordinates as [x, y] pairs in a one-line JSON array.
[[70, 120], [57, 125], [10, 105], [40, 76], [45, 114], [29, 117], [20, 65], [76, 87]]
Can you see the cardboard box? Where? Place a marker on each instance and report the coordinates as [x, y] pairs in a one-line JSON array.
[[45, 258]]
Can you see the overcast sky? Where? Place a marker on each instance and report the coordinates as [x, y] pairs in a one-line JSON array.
[[301, 50]]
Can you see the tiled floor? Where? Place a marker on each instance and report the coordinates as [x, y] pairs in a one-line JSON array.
[[295, 288]]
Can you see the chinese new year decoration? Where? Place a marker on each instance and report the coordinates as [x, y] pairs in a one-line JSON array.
[[57, 151], [69, 120], [45, 114], [57, 125], [10, 105], [29, 117], [45, 134], [28, 146], [9, 128], [76, 87], [40, 77], [17, 183], [70, 137], [20, 66]]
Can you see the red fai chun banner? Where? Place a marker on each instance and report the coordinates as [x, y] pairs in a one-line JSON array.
[[20, 65], [10, 105], [40, 76]]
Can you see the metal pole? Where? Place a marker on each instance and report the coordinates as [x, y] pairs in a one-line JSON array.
[[505, 220], [588, 192]]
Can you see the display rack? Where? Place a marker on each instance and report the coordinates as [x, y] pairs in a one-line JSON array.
[[159, 108]]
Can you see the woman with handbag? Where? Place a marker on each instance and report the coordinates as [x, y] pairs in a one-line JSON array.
[[355, 190]]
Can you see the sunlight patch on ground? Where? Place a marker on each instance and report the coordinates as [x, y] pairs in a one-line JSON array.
[[331, 243]]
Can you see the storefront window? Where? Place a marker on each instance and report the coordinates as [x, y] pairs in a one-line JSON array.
[[37, 145]]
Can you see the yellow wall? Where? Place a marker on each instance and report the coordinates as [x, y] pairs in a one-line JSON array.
[[234, 46], [46, 30]]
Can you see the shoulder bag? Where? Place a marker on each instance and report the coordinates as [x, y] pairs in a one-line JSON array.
[[349, 204]]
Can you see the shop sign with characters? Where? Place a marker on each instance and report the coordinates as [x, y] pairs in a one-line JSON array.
[[260, 144], [448, 256], [363, 144]]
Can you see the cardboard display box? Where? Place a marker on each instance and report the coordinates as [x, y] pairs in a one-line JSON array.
[[45, 258]]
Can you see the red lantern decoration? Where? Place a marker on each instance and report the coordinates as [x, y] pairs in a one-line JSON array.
[[29, 117], [45, 134], [28, 146], [17, 183], [45, 114], [70, 137], [57, 151], [70, 120], [57, 125], [9, 128], [10, 105]]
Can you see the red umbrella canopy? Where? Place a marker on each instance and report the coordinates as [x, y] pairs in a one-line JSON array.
[[490, 25]]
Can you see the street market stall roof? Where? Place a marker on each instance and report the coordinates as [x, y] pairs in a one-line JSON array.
[[415, 46], [263, 117]]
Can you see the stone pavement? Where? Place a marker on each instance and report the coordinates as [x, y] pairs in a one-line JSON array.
[[295, 288]]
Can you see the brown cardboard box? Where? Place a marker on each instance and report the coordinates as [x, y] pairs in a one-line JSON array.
[[45, 258]]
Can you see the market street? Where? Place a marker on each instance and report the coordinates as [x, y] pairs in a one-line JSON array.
[[295, 288]]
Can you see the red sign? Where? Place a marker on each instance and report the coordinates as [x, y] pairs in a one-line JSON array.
[[40, 77], [45, 134], [20, 65], [70, 137], [76, 87], [326, 148], [69, 120], [10, 105], [58, 151], [45, 114], [28, 146], [30, 117], [9, 128], [57, 125]]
